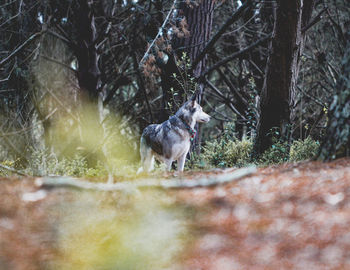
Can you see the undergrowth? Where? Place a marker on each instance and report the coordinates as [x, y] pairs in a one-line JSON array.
[[222, 152], [304, 149], [228, 151], [44, 163]]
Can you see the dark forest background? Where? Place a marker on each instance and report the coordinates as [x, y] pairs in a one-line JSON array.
[[83, 78]]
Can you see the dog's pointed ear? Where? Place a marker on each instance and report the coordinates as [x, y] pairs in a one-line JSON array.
[[193, 99]]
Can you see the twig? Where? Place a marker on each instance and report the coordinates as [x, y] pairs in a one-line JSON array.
[[222, 30], [315, 20], [337, 27], [141, 84], [10, 73], [62, 105], [58, 62], [318, 102], [119, 82], [159, 32], [28, 128], [20, 48], [12, 170], [207, 181], [14, 16], [56, 35], [13, 147], [236, 54]]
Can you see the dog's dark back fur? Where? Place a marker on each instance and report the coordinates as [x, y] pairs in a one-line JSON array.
[[155, 135], [150, 135]]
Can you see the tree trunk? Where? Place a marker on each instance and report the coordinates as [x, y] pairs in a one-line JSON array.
[[199, 18], [90, 105], [278, 93], [85, 50]]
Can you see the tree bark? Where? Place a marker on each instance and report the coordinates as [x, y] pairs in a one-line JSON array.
[[199, 19], [278, 93], [89, 80], [89, 75]]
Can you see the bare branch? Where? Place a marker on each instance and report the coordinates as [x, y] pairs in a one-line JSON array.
[[314, 20], [14, 16], [58, 62], [236, 55], [28, 128], [61, 37], [222, 30], [10, 73], [175, 183], [159, 32], [20, 48]]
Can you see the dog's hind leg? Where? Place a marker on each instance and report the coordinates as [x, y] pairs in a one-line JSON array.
[[168, 163]]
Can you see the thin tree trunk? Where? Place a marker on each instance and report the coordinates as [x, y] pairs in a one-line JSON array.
[[199, 19], [89, 75], [89, 80], [278, 93]]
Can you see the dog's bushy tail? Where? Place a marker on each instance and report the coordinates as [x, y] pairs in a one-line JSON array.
[[142, 154]]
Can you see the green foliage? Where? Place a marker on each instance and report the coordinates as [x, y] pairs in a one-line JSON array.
[[238, 152], [186, 79], [303, 149], [227, 151], [283, 152], [44, 163], [276, 154], [7, 163], [196, 162]]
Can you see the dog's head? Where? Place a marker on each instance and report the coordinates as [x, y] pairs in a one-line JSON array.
[[193, 112]]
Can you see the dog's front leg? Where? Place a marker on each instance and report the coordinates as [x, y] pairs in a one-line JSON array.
[[168, 163], [181, 163]]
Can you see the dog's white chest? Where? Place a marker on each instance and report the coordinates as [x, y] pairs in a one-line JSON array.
[[179, 149]]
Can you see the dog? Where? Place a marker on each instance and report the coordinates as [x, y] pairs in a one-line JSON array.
[[171, 140]]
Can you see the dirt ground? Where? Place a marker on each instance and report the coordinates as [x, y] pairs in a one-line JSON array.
[[292, 216]]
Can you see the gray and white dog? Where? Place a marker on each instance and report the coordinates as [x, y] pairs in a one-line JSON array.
[[171, 140]]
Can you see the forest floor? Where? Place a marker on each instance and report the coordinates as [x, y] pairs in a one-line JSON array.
[[291, 216]]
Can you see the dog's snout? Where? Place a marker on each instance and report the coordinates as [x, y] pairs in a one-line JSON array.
[[205, 118]]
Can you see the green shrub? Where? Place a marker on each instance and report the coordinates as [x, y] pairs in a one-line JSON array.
[[238, 152], [7, 163], [303, 149], [227, 153], [44, 163], [196, 162], [283, 152], [276, 154]]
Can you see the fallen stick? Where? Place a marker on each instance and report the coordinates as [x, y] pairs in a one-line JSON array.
[[174, 183], [12, 170]]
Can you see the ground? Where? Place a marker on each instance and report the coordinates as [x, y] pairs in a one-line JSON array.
[[291, 216]]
